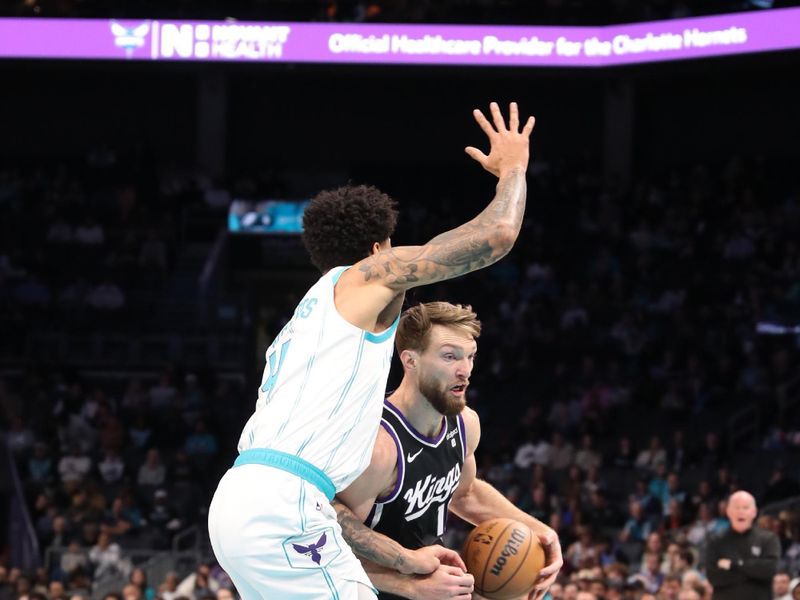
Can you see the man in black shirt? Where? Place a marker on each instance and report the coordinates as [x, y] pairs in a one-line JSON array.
[[740, 563], [423, 463]]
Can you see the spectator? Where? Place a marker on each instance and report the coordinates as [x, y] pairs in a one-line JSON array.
[[637, 527], [623, 458], [780, 586], [168, 589], [74, 467], [140, 432], [163, 518], [581, 551], [587, 457], [678, 454], [111, 468], [56, 590], [106, 296], [198, 583], [126, 516], [132, 592], [536, 503], [135, 397], [670, 588], [106, 556], [20, 438], [40, 465], [139, 578], [651, 457], [202, 443], [152, 472], [561, 453], [162, 395], [650, 575], [89, 233], [74, 558], [742, 562]]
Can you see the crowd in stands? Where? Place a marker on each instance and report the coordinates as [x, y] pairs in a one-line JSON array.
[[618, 338], [84, 245], [109, 471], [562, 12]]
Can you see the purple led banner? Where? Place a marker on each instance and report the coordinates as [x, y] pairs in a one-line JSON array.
[[738, 33]]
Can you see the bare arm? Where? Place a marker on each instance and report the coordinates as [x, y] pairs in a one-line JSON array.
[[369, 545], [481, 241], [445, 582], [354, 503], [475, 244], [476, 501]]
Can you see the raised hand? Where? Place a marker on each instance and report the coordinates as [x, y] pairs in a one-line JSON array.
[[509, 147]]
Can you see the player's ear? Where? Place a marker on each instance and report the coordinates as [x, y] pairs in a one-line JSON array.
[[409, 360], [379, 246]]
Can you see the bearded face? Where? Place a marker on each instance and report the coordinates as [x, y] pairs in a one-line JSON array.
[[448, 400], [444, 369]]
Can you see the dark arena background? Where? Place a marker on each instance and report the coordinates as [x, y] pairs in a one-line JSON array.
[[640, 357]]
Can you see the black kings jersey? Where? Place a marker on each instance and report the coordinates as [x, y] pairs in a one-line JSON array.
[[428, 472]]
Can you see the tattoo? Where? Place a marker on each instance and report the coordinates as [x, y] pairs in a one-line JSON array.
[[367, 543], [467, 248]]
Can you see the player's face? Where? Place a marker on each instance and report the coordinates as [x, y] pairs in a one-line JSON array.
[[742, 512], [445, 367]]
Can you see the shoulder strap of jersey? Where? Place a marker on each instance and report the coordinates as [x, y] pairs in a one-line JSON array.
[[462, 434]]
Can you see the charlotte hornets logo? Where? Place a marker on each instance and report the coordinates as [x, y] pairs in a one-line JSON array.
[[312, 550], [129, 38]]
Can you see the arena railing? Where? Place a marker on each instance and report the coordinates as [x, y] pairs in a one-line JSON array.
[[23, 542]]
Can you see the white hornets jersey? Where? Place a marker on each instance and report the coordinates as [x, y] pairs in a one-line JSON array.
[[321, 396]]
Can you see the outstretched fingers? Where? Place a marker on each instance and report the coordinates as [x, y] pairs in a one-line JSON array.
[[484, 123], [497, 117], [529, 126], [513, 118], [476, 154]]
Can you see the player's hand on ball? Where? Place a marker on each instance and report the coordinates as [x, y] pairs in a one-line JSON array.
[[509, 147], [428, 558], [444, 582], [553, 563]]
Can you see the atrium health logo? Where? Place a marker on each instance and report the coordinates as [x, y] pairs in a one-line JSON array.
[[129, 38]]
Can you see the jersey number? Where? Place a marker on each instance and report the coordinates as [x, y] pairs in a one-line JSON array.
[[275, 364], [440, 517]]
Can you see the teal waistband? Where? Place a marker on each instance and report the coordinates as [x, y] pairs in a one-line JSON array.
[[289, 463]]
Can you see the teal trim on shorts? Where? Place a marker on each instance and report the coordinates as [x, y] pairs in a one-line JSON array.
[[377, 338], [331, 585], [289, 463]]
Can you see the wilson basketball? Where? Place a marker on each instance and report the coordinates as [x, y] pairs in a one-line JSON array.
[[504, 557]]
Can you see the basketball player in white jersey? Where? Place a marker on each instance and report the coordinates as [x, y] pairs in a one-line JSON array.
[[271, 522], [423, 462]]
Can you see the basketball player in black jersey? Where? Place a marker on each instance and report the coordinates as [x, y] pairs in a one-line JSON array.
[[423, 464]]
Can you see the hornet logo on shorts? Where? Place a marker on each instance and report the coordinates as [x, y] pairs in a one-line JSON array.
[[305, 550], [312, 550], [129, 38]]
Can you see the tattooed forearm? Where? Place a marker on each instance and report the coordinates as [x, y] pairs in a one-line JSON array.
[[367, 543], [472, 246]]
